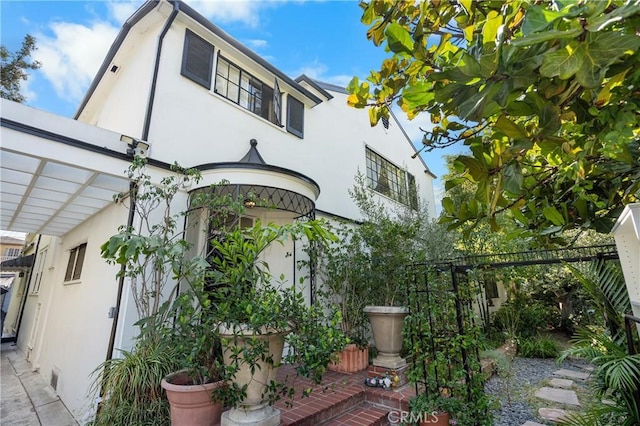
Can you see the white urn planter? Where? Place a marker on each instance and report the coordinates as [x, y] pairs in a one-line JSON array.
[[255, 408], [626, 232], [386, 325]]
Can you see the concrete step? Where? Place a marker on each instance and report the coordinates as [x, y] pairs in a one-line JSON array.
[[552, 414], [562, 396], [572, 374]]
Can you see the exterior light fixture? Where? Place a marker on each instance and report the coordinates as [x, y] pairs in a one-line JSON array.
[[136, 146]]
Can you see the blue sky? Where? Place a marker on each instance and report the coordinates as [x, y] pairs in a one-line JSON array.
[[323, 39]]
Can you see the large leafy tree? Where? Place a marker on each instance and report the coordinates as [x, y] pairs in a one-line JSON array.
[[14, 67], [545, 94]]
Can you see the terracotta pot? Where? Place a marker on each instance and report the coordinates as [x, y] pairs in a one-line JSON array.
[[432, 419], [191, 405], [386, 324], [351, 360]]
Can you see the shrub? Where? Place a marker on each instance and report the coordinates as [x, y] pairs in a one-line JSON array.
[[538, 347]]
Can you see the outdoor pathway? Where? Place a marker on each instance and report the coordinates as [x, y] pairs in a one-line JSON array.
[[25, 397], [560, 394]]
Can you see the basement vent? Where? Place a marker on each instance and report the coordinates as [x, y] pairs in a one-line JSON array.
[[54, 379]]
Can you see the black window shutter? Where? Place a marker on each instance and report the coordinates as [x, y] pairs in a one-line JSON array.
[[277, 103], [295, 116], [197, 59]]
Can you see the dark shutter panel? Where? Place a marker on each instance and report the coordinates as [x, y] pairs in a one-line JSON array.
[[72, 261], [277, 104], [295, 116], [79, 261], [197, 59]]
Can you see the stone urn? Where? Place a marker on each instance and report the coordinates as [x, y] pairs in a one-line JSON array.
[[386, 325], [254, 409]]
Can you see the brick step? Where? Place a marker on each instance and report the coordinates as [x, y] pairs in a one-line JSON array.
[[339, 395], [365, 414]]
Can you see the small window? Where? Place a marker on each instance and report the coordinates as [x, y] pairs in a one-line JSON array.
[[295, 116], [197, 59], [38, 270], [12, 252], [76, 259]]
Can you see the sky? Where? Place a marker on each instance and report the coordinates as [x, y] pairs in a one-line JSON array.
[[322, 39]]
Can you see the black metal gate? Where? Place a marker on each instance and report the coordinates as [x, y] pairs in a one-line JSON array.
[[445, 307]]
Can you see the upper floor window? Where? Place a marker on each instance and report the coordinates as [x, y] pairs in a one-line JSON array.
[[12, 252], [76, 260], [247, 91], [390, 180], [197, 59]]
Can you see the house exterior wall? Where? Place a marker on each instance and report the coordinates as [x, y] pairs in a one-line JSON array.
[[195, 126], [67, 323], [70, 333]]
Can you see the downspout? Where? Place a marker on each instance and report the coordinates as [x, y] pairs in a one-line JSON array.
[[156, 70], [133, 189], [132, 185], [26, 290]]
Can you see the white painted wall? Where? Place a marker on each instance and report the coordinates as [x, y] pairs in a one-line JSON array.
[[74, 326], [195, 126]]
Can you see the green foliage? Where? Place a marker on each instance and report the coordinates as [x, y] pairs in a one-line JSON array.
[[14, 67], [539, 346], [545, 95], [444, 360], [131, 385], [523, 317], [617, 373]]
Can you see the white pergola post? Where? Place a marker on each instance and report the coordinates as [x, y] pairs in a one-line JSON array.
[[626, 232]]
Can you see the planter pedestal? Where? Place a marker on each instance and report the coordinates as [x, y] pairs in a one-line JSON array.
[[386, 324], [265, 416], [254, 409]]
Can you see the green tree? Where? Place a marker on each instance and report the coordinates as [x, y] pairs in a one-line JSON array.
[[14, 69], [545, 94]]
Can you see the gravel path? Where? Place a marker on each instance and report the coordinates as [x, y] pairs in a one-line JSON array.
[[526, 376]]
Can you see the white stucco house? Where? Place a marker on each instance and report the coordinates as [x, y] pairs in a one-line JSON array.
[[175, 88]]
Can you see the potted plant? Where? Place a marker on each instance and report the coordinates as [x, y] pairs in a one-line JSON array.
[[386, 242], [256, 317], [196, 389], [434, 409], [343, 288], [151, 256]]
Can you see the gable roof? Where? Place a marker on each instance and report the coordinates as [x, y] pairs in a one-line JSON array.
[[181, 7]]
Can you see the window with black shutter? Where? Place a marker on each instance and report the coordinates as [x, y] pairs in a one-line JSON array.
[[76, 260], [295, 116], [197, 59]]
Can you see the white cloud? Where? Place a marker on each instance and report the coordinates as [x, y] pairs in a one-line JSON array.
[[256, 44], [247, 12], [72, 56], [120, 11]]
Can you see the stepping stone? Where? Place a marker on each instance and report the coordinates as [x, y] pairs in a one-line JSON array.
[[562, 396], [580, 375], [530, 423], [552, 414], [561, 383]]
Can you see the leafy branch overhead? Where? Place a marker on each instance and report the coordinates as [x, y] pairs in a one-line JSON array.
[[545, 95]]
